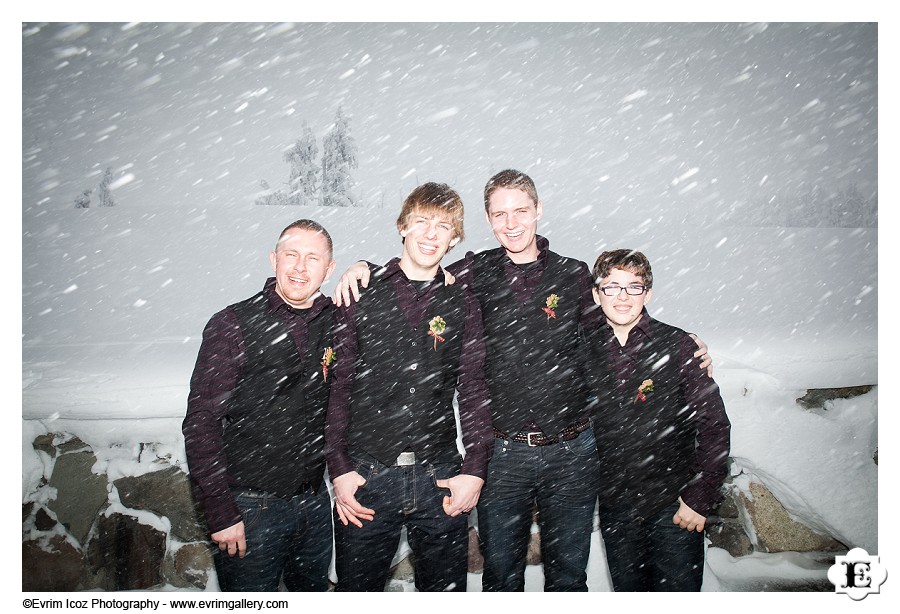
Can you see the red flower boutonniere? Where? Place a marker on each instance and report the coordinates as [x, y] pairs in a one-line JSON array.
[[327, 359], [645, 387], [552, 303], [435, 327]]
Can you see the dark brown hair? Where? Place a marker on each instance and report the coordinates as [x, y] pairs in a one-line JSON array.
[[626, 260]]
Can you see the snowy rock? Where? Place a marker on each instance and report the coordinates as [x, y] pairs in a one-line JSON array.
[[476, 559], [776, 531], [165, 493], [729, 532], [80, 493], [730, 536], [533, 554], [125, 554], [402, 577], [190, 566], [42, 520], [51, 564], [819, 396]]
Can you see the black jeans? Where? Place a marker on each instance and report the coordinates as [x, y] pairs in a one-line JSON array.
[[403, 496], [653, 554], [286, 539], [562, 479]]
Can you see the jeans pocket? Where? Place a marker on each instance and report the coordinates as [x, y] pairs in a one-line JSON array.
[[584, 445], [365, 469], [251, 510], [443, 471]]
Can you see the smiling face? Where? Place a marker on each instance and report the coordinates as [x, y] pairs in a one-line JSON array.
[[427, 236], [623, 310], [302, 262], [513, 217]]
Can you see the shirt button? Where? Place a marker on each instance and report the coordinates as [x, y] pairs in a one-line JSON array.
[[414, 367], [412, 390]]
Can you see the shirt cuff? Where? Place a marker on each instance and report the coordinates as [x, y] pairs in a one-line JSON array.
[[699, 498], [476, 462], [339, 464], [221, 512]]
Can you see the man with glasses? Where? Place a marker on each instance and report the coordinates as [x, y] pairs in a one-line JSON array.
[[662, 434]]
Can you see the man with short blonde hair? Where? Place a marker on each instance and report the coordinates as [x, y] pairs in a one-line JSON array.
[[403, 350]]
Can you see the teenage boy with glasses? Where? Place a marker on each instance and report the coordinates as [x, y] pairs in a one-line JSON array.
[[662, 435]]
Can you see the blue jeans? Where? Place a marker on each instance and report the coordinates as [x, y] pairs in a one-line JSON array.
[[289, 539], [653, 554], [403, 496], [562, 479]]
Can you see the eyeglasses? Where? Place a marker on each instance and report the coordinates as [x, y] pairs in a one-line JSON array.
[[631, 290]]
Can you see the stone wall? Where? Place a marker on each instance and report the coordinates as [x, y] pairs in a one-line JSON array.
[[83, 530]]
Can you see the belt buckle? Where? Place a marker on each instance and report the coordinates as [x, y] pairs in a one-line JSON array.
[[406, 458], [528, 439]]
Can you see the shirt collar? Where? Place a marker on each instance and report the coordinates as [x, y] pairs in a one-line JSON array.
[[543, 245], [276, 303], [392, 268], [644, 325]]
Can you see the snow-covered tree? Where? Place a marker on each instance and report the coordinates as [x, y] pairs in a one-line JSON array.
[[104, 196], [338, 158], [268, 197], [83, 200], [303, 182]]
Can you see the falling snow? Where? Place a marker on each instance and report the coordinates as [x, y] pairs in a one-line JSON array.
[[658, 137]]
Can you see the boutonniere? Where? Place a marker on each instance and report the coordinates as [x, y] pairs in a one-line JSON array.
[[435, 327], [327, 358], [645, 387], [552, 303]]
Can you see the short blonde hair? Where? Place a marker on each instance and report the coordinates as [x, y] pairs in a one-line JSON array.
[[434, 198]]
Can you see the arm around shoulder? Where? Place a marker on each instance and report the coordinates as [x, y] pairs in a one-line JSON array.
[[713, 440]]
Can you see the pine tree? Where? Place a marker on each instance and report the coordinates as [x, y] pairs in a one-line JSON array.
[[103, 193], [338, 158], [302, 185], [83, 201], [269, 198]]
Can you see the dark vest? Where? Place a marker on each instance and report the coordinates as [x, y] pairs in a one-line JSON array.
[[276, 418], [532, 369], [647, 447], [403, 387]]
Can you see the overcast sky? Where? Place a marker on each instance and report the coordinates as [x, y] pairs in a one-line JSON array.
[[650, 117]]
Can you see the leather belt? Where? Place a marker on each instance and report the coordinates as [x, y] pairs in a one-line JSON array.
[[538, 438], [306, 488]]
